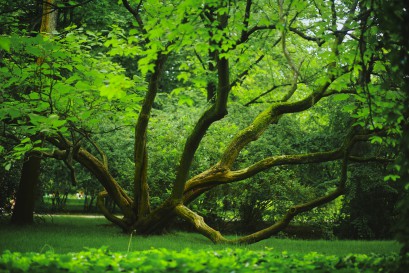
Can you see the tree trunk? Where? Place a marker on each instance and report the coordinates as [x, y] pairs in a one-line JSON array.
[[24, 209], [49, 18]]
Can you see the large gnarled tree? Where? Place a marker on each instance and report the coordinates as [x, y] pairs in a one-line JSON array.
[[310, 50]]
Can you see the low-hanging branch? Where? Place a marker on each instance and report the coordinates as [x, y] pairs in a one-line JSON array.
[[98, 169], [216, 237], [111, 217]]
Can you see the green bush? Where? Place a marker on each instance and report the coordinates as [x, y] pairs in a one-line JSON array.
[[163, 260]]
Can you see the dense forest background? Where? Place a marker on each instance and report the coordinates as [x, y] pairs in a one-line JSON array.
[[250, 114]]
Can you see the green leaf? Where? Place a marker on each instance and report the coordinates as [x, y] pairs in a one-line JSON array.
[[185, 100], [7, 167], [25, 140], [349, 108], [376, 139], [5, 43], [341, 97], [392, 177]]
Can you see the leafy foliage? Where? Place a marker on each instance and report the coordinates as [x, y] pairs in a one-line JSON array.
[[65, 90], [162, 260]]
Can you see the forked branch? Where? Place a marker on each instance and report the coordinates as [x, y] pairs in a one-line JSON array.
[[216, 237], [216, 112]]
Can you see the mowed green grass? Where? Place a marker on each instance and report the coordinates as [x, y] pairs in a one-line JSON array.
[[73, 233]]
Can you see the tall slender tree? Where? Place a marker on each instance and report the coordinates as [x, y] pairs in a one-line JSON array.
[[27, 191]]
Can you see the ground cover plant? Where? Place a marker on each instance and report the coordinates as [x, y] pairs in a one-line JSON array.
[[163, 260]]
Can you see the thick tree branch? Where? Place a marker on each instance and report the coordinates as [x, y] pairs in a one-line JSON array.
[[141, 188], [97, 168], [216, 112], [263, 120], [140, 153], [215, 176]]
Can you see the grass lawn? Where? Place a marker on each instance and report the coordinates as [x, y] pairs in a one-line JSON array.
[[73, 233]]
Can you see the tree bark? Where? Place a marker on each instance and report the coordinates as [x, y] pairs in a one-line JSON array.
[[141, 188], [214, 113], [49, 17], [23, 212]]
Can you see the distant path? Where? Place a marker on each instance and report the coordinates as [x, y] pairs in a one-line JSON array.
[[72, 215]]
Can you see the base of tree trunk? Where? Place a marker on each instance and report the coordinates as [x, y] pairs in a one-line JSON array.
[[23, 212]]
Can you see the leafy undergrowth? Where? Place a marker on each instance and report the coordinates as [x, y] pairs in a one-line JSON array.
[[163, 260]]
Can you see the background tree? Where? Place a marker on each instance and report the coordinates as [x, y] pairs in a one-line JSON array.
[[393, 16], [28, 187]]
